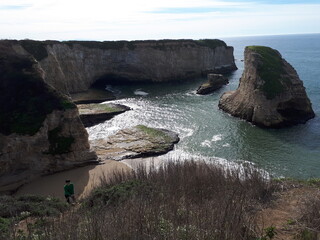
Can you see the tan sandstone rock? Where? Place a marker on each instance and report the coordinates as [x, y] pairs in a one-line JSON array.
[[40, 129], [73, 66], [136, 142], [270, 93]]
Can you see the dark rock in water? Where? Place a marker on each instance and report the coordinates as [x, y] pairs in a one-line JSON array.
[[92, 114], [270, 93], [92, 95], [139, 141], [224, 69], [40, 129], [215, 81]]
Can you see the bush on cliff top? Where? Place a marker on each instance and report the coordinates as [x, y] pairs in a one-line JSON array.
[[156, 44], [25, 98], [270, 70], [38, 49], [186, 200], [30, 205]]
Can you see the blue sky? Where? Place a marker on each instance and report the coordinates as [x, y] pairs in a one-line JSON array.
[[155, 19]]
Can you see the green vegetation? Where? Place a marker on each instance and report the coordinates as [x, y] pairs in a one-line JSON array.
[[59, 144], [106, 45], [270, 233], [156, 44], [35, 48], [186, 200], [30, 205], [211, 43], [15, 209], [153, 133], [38, 49], [271, 71], [115, 194], [26, 99], [307, 234], [178, 200], [313, 181], [106, 108], [98, 108]]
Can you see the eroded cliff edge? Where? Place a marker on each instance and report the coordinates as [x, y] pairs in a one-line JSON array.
[[40, 129], [270, 92], [73, 66]]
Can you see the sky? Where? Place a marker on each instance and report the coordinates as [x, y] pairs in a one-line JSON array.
[[150, 19]]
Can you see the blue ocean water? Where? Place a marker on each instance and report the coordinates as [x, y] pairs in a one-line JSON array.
[[207, 132]]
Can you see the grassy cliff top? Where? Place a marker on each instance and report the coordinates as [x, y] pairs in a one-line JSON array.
[[271, 70], [156, 44], [25, 98], [39, 51]]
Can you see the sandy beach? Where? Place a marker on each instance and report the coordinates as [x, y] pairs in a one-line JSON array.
[[84, 178]]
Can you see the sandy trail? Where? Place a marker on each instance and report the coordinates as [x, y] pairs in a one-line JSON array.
[[285, 211], [84, 179]]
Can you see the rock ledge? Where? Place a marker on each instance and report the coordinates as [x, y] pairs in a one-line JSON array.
[[215, 81], [139, 141]]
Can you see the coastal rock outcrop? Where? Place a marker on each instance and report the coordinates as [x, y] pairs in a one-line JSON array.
[[92, 114], [92, 95], [270, 93], [139, 141], [40, 129], [73, 66], [215, 81]]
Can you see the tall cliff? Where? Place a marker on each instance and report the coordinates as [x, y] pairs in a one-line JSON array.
[[74, 66], [270, 93], [40, 129]]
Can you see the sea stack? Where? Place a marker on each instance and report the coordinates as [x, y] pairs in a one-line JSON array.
[[270, 92]]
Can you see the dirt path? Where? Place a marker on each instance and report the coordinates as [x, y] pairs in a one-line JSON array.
[[84, 179], [285, 211]]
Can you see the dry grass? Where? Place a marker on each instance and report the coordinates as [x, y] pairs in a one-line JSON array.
[[185, 200]]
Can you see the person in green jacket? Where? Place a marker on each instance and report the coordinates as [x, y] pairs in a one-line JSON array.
[[69, 191]]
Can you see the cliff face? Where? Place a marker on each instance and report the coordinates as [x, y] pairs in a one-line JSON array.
[[73, 66], [40, 129], [270, 93]]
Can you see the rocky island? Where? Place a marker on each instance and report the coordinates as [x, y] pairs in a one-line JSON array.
[[270, 93]]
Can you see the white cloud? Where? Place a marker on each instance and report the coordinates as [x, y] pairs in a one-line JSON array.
[[125, 19]]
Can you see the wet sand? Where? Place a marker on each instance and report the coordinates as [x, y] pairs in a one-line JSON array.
[[84, 178]]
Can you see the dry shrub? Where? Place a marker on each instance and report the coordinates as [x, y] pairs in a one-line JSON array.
[[310, 219], [180, 200]]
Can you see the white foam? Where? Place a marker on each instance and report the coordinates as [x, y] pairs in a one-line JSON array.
[[179, 155], [139, 92], [112, 89], [206, 143], [216, 138]]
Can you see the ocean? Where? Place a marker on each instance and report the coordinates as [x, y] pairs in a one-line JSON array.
[[208, 133]]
